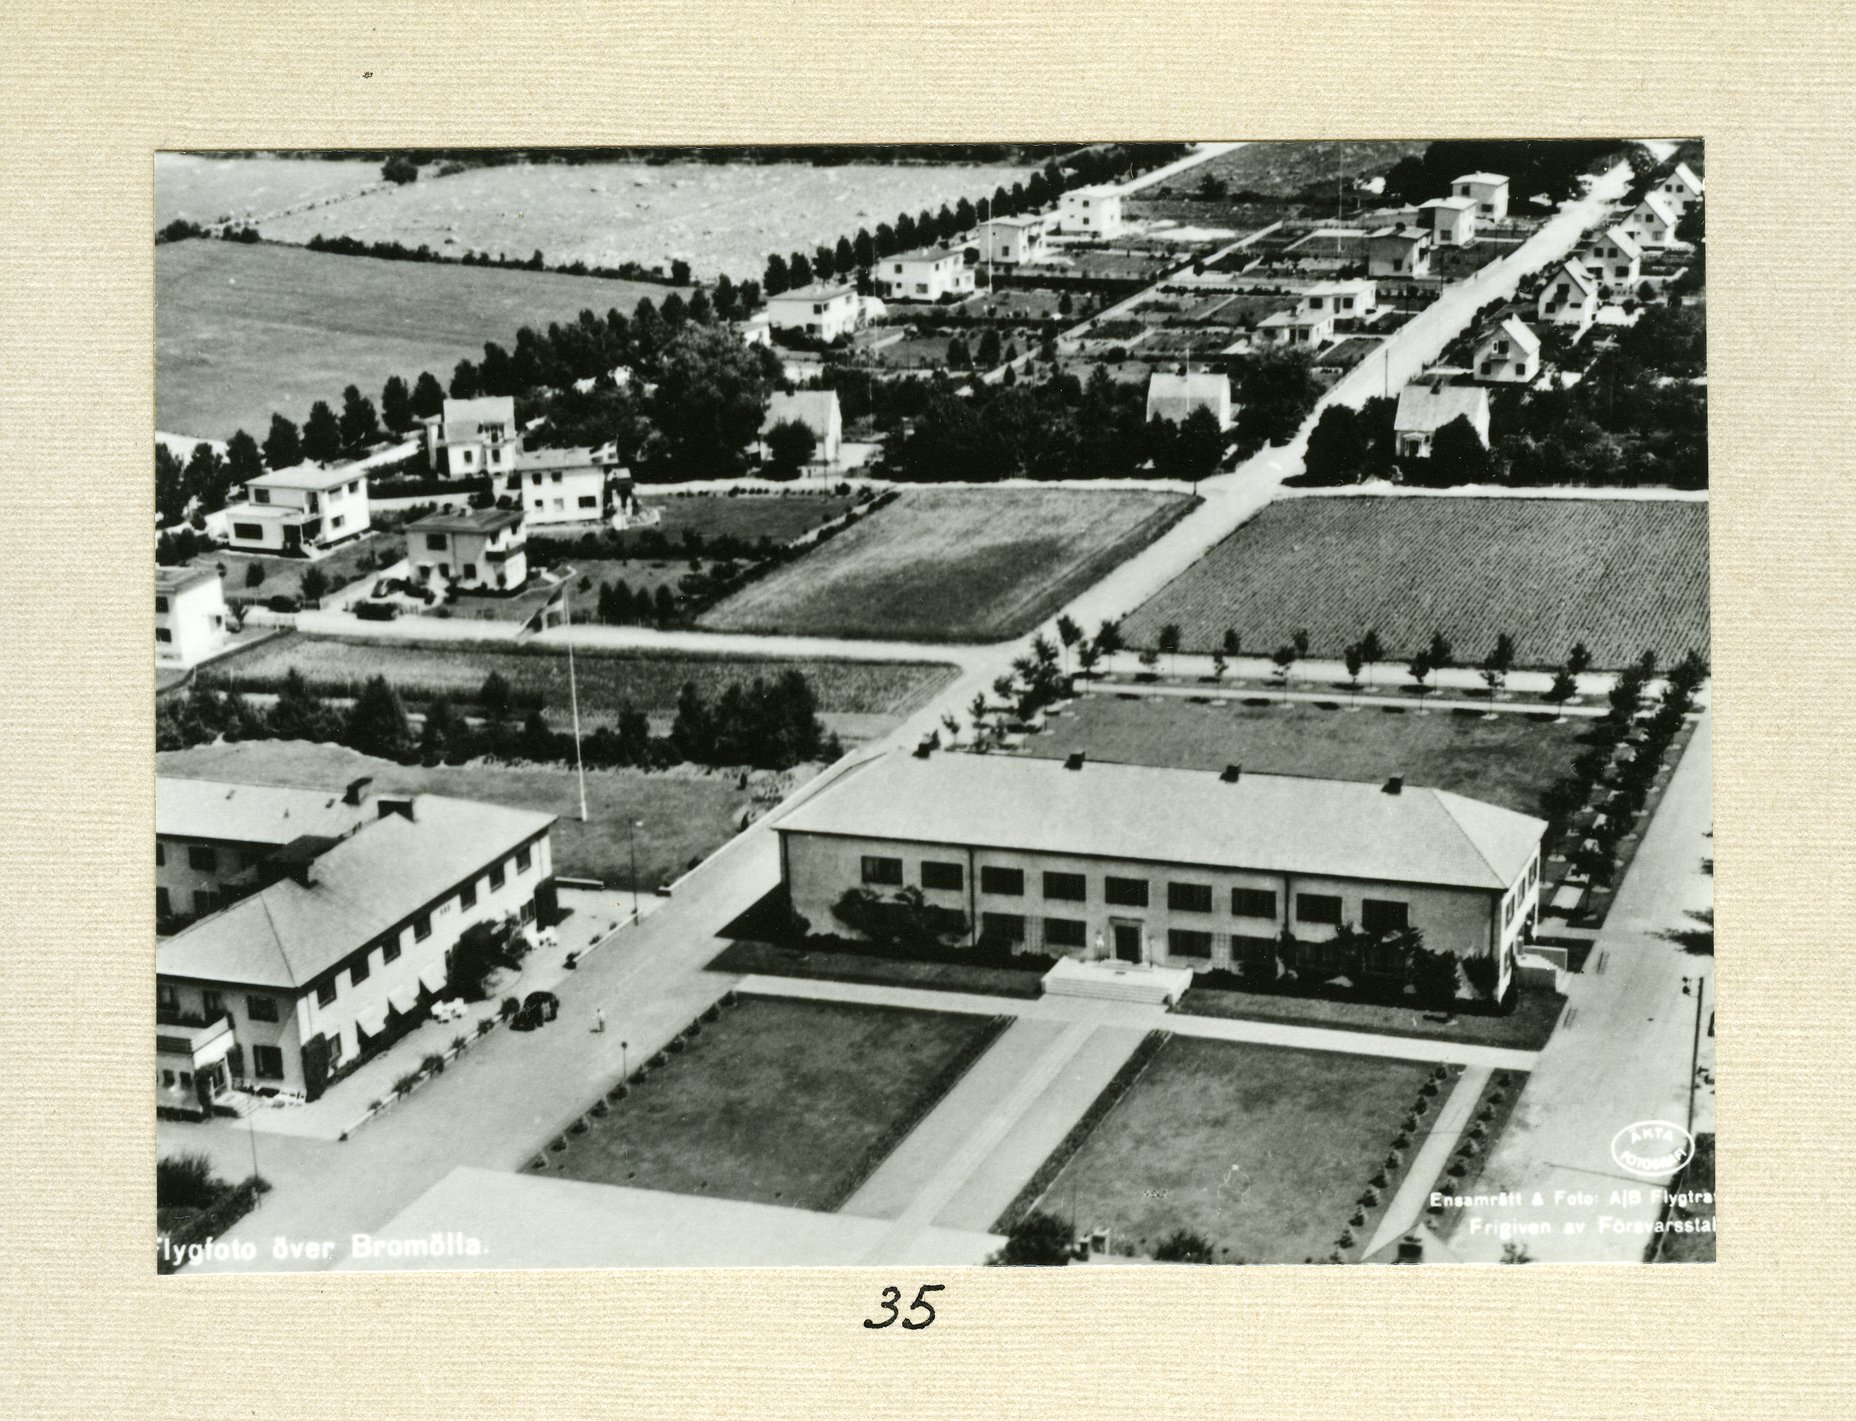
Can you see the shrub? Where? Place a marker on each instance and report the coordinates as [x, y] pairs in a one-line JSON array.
[[579, 1127], [558, 1144], [486, 1026], [677, 1044], [657, 1059], [509, 1008], [618, 1092], [434, 1064], [186, 1181], [406, 1084], [459, 1042], [1184, 1246], [1037, 1240]]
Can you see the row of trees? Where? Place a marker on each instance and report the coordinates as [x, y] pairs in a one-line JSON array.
[[1549, 168], [764, 724]]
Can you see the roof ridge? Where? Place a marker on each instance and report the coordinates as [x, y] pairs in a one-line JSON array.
[[1446, 800]]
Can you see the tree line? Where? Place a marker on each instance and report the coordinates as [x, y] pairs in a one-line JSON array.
[[763, 724]]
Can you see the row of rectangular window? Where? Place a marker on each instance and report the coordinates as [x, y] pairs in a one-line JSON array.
[[1001, 882], [213, 1003]]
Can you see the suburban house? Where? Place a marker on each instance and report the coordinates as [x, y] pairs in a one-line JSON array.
[[1308, 329], [1509, 354], [1090, 211], [1426, 406], [1177, 868], [938, 275], [1398, 251], [1615, 259], [562, 485], [1680, 190], [818, 411], [819, 312], [1489, 191], [757, 329], [190, 615], [1652, 222], [1451, 220], [1012, 241], [338, 945], [211, 836], [480, 550], [1570, 297], [299, 510], [473, 437], [1356, 300], [1174, 397]]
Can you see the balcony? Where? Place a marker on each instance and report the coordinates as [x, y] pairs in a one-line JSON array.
[[201, 1041], [503, 554]]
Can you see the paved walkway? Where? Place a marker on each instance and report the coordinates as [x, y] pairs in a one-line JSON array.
[[1149, 1018], [1622, 1053], [1408, 1205], [1355, 701]]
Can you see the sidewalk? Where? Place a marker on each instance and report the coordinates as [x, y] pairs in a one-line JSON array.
[[1407, 1208]]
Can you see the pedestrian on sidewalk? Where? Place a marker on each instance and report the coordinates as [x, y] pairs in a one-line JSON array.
[[599, 1019]]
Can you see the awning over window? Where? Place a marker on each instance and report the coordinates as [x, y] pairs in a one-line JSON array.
[[403, 999], [372, 1023], [433, 977]]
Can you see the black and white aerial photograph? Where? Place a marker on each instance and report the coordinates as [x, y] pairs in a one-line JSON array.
[[1003, 704]]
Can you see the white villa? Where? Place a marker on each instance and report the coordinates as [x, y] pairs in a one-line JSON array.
[[1091, 211], [1652, 222], [1398, 251], [1489, 191], [818, 411], [1615, 259], [190, 615], [299, 510], [1012, 241], [1356, 300], [1452, 220], [1570, 297], [820, 311], [1426, 406], [1509, 354], [472, 437], [1174, 397], [938, 275], [483, 550]]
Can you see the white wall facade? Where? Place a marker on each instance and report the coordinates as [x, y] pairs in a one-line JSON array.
[[190, 622]]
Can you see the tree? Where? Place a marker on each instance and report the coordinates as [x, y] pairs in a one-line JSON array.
[[464, 382], [298, 713], [1421, 667], [322, 435], [1087, 655], [359, 423], [1108, 638], [494, 697], [1069, 634], [1282, 659], [1337, 448], [1499, 662], [1458, 456], [790, 446], [396, 410], [243, 461], [1563, 688], [710, 400], [1169, 644], [483, 950], [254, 574], [1353, 660], [1184, 1246], [377, 724], [1372, 651], [314, 583], [1219, 665], [1579, 660], [977, 712], [428, 396], [1038, 1240], [1233, 647], [170, 486], [399, 169], [443, 733], [1439, 652], [1199, 445]]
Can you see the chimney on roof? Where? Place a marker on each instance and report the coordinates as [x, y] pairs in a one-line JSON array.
[[356, 788], [1075, 760], [400, 804], [1395, 785], [1231, 774]]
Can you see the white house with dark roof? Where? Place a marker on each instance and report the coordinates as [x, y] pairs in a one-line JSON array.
[[1398, 251], [1091, 211], [1652, 223], [1426, 406], [1012, 241], [480, 549], [1614, 258], [577, 485], [1489, 191], [818, 411], [344, 939], [1680, 189], [1354, 300], [1508, 355], [822, 311], [1305, 330], [1570, 297], [190, 615], [1175, 397], [1179, 868], [473, 437], [299, 510], [938, 275]]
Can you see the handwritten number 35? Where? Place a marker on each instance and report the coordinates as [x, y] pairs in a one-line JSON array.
[[893, 1295]]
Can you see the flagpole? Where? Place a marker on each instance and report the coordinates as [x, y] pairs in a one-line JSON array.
[[573, 693]]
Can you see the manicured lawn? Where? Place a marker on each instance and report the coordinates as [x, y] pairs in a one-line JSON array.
[[686, 816], [607, 680], [241, 331], [284, 576], [1507, 761], [780, 1100], [1621, 575], [1525, 1029], [953, 564], [1261, 1150], [780, 516], [774, 961]]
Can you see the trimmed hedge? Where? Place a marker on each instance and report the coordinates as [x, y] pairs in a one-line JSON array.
[[212, 1221]]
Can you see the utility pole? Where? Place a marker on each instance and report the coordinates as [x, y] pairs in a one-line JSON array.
[[632, 839], [573, 692]]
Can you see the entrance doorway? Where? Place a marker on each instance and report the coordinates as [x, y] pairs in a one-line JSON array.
[[1128, 941]]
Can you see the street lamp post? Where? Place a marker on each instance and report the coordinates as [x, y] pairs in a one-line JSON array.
[[625, 1068]]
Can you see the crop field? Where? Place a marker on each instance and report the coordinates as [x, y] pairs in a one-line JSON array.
[[1621, 575], [207, 188], [241, 331], [1284, 169], [953, 565], [607, 680], [721, 218]]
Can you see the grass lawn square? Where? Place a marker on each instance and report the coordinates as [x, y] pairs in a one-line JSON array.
[[1508, 761], [1259, 1149], [284, 576], [976, 565], [781, 1100]]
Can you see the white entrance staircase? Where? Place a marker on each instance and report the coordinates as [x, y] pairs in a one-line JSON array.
[[1118, 981]]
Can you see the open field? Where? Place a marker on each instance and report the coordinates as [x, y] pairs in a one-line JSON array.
[[1284, 169], [686, 815], [954, 564], [607, 679], [1508, 761], [779, 516], [206, 188], [1260, 1150], [241, 331], [779, 1100], [1620, 575], [722, 218]]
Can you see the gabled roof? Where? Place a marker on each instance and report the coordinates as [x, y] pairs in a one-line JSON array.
[[1687, 177], [1658, 205], [481, 409], [249, 814], [1517, 331], [1270, 823], [289, 934], [1426, 408], [1623, 241], [1453, 204], [1198, 385], [1490, 179], [815, 409], [817, 291], [1581, 278]]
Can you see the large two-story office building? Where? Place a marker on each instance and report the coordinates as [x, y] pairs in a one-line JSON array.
[[1174, 867]]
